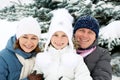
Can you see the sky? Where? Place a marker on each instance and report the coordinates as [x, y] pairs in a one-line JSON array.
[[4, 3]]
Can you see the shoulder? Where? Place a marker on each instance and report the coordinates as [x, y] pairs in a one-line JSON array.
[[98, 54], [6, 54], [102, 53], [8, 58], [100, 49]]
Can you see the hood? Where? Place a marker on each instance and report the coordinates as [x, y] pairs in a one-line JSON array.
[[61, 21]]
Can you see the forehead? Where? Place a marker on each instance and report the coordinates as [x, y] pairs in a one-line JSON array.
[[31, 35], [85, 28], [59, 32]]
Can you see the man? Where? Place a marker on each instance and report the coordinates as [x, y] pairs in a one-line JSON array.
[[86, 30]]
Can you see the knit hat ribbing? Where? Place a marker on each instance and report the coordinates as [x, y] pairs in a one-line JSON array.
[[28, 25], [87, 22]]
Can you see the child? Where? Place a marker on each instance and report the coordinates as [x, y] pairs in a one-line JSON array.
[[59, 60]]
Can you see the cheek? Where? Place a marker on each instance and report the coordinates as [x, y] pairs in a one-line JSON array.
[[77, 34], [66, 41], [77, 37], [93, 38], [52, 41], [21, 42]]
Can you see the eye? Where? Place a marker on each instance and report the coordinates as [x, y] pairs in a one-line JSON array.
[[25, 37], [91, 32], [34, 38], [64, 35], [55, 35], [81, 30]]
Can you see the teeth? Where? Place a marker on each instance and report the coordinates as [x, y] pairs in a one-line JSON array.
[[59, 44], [84, 40], [28, 47]]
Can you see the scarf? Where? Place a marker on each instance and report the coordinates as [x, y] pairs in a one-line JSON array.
[[84, 53], [27, 66]]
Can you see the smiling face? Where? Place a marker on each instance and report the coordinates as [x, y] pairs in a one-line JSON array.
[[59, 40], [85, 37], [28, 42]]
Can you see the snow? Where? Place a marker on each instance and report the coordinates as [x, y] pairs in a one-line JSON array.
[[4, 3], [115, 78], [111, 33], [8, 29], [69, 1]]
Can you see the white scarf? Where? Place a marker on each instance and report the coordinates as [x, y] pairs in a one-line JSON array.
[[27, 66]]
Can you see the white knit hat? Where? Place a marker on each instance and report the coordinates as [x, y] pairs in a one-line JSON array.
[[28, 25], [61, 21]]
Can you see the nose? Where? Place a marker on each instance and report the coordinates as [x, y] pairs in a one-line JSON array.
[[29, 41], [59, 39], [85, 34]]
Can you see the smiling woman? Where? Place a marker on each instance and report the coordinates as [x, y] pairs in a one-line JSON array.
[[18, 56]]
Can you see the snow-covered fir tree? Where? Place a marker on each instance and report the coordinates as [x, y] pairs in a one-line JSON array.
[[106, 11]]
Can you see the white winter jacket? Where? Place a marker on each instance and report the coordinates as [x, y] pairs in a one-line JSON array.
[[61, 65]]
